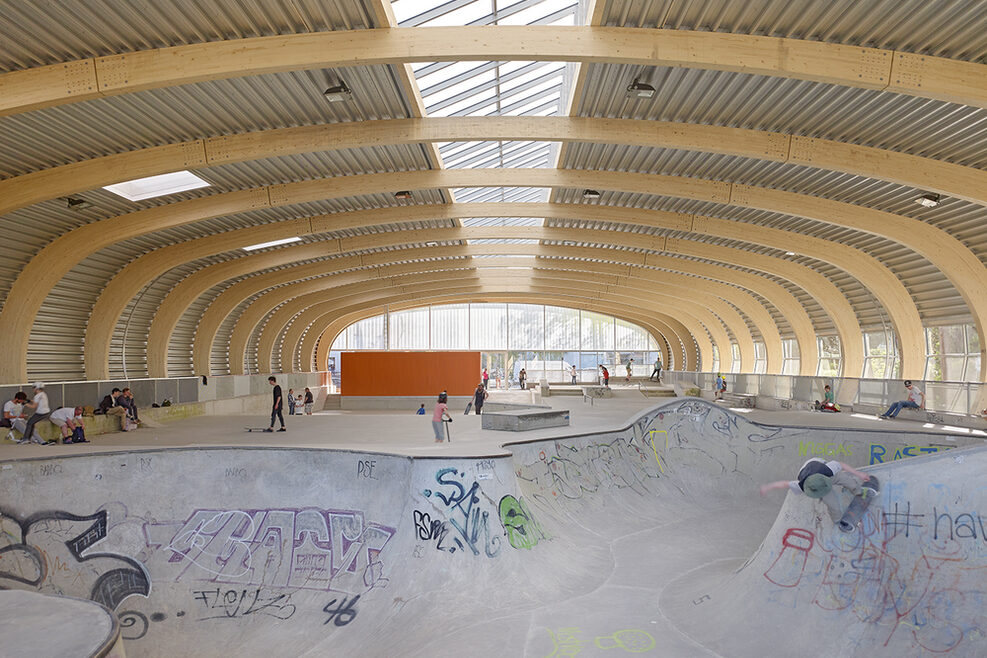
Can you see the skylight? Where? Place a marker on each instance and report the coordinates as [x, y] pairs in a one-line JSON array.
[[152, 186], [272, 243]]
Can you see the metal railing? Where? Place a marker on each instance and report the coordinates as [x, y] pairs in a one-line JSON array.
[[964, 398]]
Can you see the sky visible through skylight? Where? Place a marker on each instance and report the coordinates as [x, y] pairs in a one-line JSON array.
[[492, 89]]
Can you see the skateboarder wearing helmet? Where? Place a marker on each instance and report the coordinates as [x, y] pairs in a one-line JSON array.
[[816, 479]]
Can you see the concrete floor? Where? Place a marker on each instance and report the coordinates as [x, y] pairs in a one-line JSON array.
[[405, 433], [638, 528]]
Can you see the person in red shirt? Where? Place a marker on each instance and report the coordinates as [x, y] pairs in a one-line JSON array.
[[606, 375], [440, 413]]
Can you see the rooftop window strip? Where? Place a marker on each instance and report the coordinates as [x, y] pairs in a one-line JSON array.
[[504, 221], [524, 80], [481, 12], [504, 103], [497, 154], [502, 241]]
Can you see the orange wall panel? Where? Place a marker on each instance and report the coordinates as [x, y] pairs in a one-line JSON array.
[[409, 373]]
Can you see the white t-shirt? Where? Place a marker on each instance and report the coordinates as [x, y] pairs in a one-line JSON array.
[[12, 408], [915, 395], [833, 466], [41, 399], [63, 415]]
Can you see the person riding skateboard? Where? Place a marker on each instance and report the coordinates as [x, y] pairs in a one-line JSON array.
[[816, 479]]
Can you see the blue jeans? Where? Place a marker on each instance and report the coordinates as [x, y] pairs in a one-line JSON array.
[[898, 406]]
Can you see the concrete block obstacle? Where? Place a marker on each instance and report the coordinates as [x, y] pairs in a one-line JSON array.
[[523, 420]]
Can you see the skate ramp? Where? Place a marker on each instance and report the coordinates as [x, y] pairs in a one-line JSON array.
[[648, 539]]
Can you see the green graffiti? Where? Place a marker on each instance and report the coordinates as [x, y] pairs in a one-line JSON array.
[[523, 531], [830, 449]]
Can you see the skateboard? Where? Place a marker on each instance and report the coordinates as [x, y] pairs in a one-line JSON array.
[[255, 429], [469, 408], [858, 506]]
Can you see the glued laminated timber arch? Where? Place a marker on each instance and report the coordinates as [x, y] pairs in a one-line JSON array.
[[870, 68], [915, 171], [134, 276], [185, 293], [295, 299], [313, 351], [691, 334], [410, 287]]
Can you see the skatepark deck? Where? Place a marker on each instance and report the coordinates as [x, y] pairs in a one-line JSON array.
[[649, 538]]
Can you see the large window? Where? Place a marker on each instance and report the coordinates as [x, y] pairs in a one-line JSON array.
[[830, 356], [881, 359], [952, 353], [792, 362], [521, 328]]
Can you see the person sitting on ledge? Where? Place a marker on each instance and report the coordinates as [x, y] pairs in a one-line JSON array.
[[69, 421], [916, 400]]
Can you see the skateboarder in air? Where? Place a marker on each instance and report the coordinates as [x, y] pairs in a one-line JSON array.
[[816, 479]]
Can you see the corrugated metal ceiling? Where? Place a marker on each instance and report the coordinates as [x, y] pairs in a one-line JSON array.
[[943, 29]]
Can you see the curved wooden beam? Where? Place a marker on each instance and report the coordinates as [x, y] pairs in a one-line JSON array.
[[293, 300], [869, 68], [699, 347], [887, 288], [914, 171], [187, 291], [413, 285], [323, 332]]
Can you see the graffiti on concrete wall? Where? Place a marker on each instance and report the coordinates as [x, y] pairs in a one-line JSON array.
[[566, 471], [59, 552], [523, 530], [300, 548], [918, 573], [880, 453], [462, 518]]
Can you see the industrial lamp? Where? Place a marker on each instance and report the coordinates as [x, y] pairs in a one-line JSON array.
[[338, 93], [929, 200], [638, 89]]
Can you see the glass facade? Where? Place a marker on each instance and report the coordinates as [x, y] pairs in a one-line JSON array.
[[952, 353], [830, 356], [544, 340]]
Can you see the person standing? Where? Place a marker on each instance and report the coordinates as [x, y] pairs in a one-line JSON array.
[[41, 410], [486, 378], [721, 385], [440, 413], [573, 374], [521, 376], [309, 401], [656, 373], [278, 405], [479, 395], [291, 402], [606, 375], [916, 400], [499, 377], [630, 364]]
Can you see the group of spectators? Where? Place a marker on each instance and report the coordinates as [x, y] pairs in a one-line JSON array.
[[23, 416]]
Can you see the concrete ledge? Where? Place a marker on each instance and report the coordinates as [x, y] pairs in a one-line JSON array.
[[598, 392], [782, 404], [36, 624], [923, 416], [523, 420], [409, 402]]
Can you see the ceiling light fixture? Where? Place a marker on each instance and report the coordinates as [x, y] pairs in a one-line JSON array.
[[591, 194], [403, 194], [272, 243], [75, 203], [929, 200], [338, 93], [160, 185], [638, 89], [789, 253]]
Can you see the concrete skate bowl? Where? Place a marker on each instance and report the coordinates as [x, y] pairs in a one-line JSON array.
[[649, 539]]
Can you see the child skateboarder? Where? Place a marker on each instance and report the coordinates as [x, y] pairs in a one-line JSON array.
[[816, 479]]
